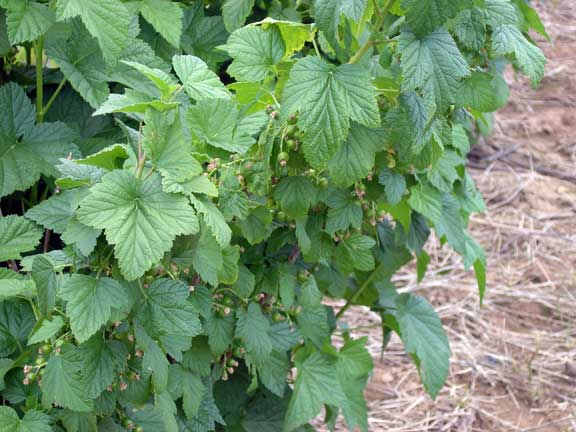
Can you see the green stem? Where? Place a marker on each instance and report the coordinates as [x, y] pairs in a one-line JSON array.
[[141, 154], [142, 290], [377, 26], [358, 293], [39, 46], [53, 98]]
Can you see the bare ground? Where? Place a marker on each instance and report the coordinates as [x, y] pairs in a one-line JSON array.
[[514, 359]]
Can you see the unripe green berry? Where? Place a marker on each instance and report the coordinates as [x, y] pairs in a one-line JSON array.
[[278, 317]]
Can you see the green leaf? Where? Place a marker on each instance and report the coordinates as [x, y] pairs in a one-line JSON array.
[[426, 16], [328, 14], [345, 211], [394, 185], [423, 337], [296, 195], [138, 51], [294, 34], [165, 145], [434, 65], [16, 322], [14, 284], [48, 281], [470, 28], [217, 122], [160, 78], [531, 18], [214, 219], [220, 332], [199, 81], [89, 303], [327, 98], [444, 172], [272, 372], [207, 257], [355, 253], [255, 52], [17, 235], [166, 18], [154, 360], [33, 421], [500, 12], [165, 405], [355, 158], [82, 64], [168, 311], [109, 158], [254, 330], [427, 201], [62, 382], [316, 385], [107, 20], [56, 212], [138, 218], [203, 34], [27, 21], [101, 361], [479, 93], [48, 329], [235, 13], [82, 236], [507, 40], [353, 366], [5, 44], [132, 102], [313, 319], [184, 384], [27, 151]]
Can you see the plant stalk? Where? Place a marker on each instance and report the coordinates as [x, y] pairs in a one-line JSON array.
[[39, 47], [358, 293], [44, 110], [377, 26]]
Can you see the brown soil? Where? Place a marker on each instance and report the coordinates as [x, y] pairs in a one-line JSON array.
[[514, 359]]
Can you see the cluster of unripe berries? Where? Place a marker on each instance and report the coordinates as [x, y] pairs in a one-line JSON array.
[[34, 373], [131, 426], [229, 363], [292, 139]]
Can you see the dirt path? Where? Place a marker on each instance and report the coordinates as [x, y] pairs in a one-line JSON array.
[[514, 361]]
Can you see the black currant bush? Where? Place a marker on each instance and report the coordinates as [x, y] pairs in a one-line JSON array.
[[182, 183]]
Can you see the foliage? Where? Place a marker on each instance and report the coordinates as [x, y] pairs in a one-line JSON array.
[[183, 182]]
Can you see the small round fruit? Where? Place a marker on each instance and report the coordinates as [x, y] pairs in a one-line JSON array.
[[281, 216], [291, 144], [323, 183], [139, 429], [223, 312], [278, 317], [31, 377], [228, 301], [59, 343], [39, 361], [283, 156], [46, 349], [230, 362], [127, 423], [290, 130], [302, 276]]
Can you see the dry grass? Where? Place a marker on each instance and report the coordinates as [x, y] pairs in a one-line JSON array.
[[514, 359]]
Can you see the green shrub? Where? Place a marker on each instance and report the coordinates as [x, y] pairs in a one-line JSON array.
[[180, 191]]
